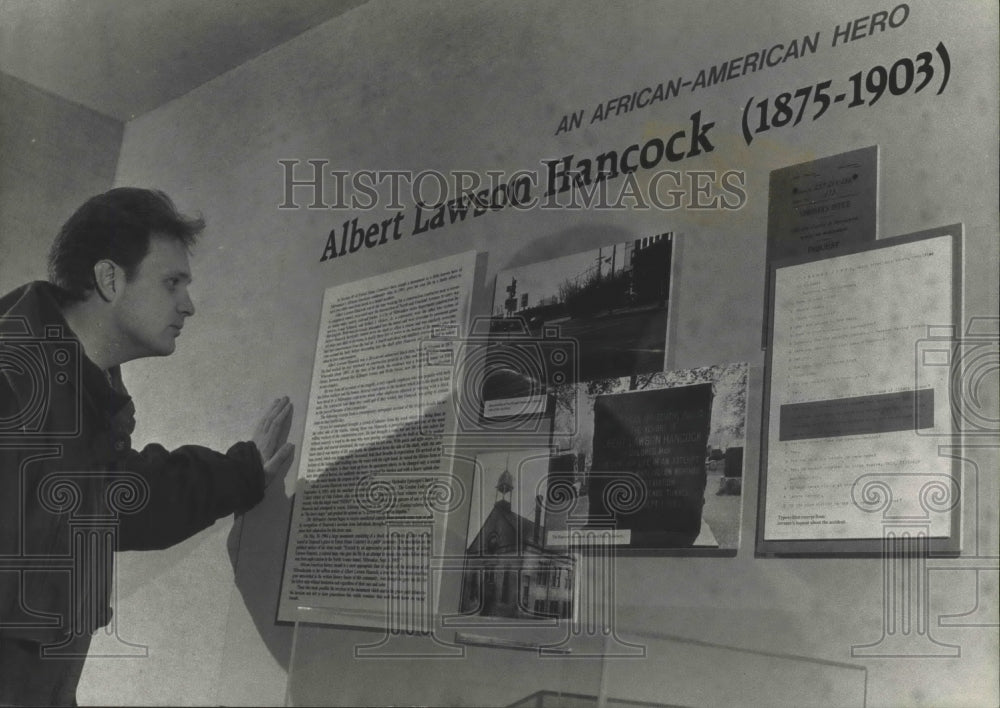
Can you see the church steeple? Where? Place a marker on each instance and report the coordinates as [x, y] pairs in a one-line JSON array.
[[505, 485]]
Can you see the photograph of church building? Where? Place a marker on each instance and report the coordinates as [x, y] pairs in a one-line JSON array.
[[509, 570]]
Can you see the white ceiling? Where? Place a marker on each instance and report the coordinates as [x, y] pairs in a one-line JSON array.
[[123, 58]]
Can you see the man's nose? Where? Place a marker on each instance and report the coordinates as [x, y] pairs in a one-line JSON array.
[[186, 305]]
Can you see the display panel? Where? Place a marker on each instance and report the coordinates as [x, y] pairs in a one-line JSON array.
[[373, 487], [819, 208], [854, 411]]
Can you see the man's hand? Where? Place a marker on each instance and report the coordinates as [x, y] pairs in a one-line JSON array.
[[271, 438]]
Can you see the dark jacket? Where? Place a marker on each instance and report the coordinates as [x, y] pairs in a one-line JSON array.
[[68, 473]]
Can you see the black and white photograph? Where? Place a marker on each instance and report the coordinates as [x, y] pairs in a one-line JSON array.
[[474, 353], [511, 571], [593, 314], [657, 459]]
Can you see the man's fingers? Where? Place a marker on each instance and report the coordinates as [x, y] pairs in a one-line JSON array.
[[284, 410], [279, 463], [277, 454], [284, 454], [285, 422], [271, 431], [273, 412], [279, 423]]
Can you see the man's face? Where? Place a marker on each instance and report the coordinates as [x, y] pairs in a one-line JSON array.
[[151, 308]]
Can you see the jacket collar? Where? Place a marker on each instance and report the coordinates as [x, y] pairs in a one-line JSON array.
[[32, 311]]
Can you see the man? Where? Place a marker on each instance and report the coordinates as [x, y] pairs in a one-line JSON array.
[[118, 291]]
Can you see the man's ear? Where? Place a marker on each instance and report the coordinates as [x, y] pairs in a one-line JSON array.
[[108, 278]]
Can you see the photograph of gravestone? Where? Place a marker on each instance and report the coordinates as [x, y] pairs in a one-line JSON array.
[[660, 436], [657, 459], [597, 314], [510, 571]]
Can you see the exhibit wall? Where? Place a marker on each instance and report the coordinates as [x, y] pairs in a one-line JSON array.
[[55, 155], [483, 87]]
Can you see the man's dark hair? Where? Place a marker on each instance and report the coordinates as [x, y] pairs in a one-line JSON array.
[[117, 226]]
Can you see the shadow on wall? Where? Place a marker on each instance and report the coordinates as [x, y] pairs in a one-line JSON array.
[[257, 550], [256, 577], [257, 542]]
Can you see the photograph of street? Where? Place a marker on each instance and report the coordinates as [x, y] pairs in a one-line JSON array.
[[605, 309]]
